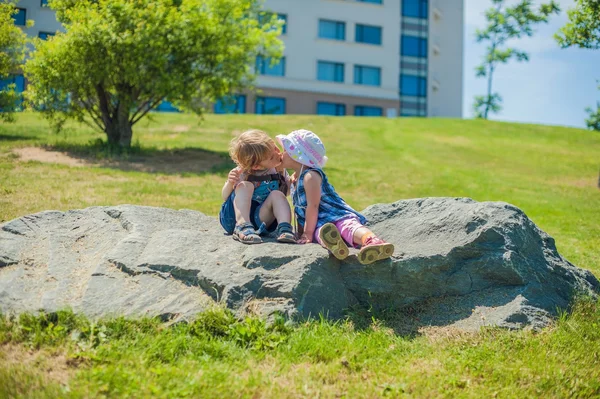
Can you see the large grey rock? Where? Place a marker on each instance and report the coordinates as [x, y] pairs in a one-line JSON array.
[[457, 262]]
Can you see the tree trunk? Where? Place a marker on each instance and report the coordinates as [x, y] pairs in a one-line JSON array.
[[118, 129]]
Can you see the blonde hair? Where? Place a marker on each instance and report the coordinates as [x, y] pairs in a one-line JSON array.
[[250, 149]]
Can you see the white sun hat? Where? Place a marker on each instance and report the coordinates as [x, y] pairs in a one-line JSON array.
[[305, 147]]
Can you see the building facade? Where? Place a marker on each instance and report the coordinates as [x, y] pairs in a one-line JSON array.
[[345, 57], [363, 58]]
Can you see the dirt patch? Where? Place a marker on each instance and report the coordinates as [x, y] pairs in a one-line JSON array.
[[54, 366], [39, 154], [168, 161]]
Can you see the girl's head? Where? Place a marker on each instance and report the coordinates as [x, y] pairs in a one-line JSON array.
[[304, 147], [254, 150]]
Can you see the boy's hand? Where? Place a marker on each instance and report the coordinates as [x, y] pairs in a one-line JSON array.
[[234, 176], [305, 239]]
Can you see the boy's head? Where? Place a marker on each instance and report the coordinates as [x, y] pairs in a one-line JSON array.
[[254, 150], [304, 147]]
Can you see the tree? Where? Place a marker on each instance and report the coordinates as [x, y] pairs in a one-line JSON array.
[[503, 24], [119, 59], [12, 54], [583, 30]]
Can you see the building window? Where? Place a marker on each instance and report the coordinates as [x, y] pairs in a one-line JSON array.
[[231, 105], [166, 106], [283, 17], [330, 71], [335, 30], [266, 16], [363, 110], [264, 67], [45, 35], [368, 34], [44, 3], [371, 1], [20, 17], [413, 46], [413, 86], [17, 80], [324, 108], [366, 75], [270, 105], [414, 8]]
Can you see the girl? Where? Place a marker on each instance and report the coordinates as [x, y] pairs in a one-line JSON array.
[[323, 216]]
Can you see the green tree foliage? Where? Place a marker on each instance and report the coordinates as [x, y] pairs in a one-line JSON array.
[[583, 30], [119, 59], [503, 24], [12, 54]]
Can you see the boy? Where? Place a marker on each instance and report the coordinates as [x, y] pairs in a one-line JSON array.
[[255, 191]]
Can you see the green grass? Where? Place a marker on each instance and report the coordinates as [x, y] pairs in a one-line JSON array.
[[549, 172]]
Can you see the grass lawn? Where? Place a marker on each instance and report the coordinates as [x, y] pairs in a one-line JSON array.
[[181, 162]]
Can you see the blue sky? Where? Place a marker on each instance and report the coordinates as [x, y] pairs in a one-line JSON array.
[[553, 88]]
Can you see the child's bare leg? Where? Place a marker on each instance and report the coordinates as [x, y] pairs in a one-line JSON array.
[[275, 207], [242, 202], [359, 234]]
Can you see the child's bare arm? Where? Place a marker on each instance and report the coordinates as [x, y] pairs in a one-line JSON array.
[[232, 179], [312, 185]]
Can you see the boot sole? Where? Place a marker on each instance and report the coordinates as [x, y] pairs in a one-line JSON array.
[[373, 253], [333, 241]]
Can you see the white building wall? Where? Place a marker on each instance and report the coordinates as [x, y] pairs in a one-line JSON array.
[[44, 18], [303, 47], [446, 58]]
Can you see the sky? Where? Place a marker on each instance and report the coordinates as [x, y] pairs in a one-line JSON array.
[[553, 88]]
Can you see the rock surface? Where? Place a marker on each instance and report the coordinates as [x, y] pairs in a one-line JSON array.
[[457, 262]]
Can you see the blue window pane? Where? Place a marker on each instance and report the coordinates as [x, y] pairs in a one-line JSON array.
[[20, 17], [166, 106], [330, 71], [231, 105], [363, 110], [371, 1], [264, 67], [17, 80], [270, 105], [413, 86], [45, 35], [368, 34], [283, 17], [364, 75], [324, 108], [332, 29], [414, 8], [413, 46], [44, 3]]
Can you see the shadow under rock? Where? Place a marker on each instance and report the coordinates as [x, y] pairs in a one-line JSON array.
[[439, 313]]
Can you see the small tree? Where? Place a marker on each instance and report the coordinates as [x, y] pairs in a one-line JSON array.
[[503, 24], [12, 54], [583, 30], [119, 59]]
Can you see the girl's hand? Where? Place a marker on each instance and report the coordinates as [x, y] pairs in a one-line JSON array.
[[234, 176], [304, 239]]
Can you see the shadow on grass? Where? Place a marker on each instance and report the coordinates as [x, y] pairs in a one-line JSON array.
[[16, 137], [180, 161]]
